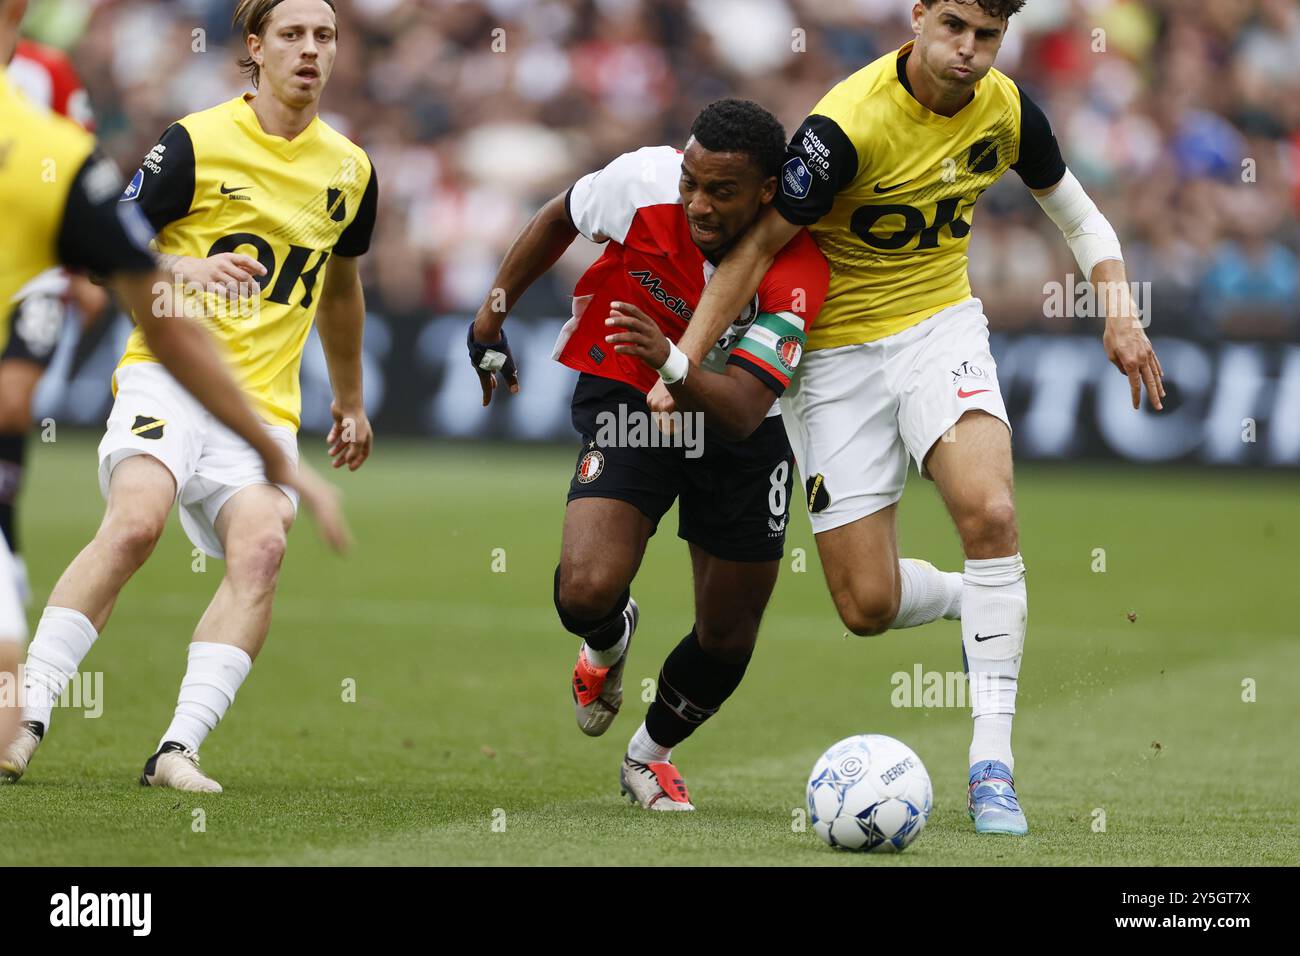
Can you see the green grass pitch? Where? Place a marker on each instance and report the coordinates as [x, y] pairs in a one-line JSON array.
[[460, 747]]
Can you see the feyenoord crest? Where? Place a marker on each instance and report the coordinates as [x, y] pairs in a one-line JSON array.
[[789, 351], [590, 467]]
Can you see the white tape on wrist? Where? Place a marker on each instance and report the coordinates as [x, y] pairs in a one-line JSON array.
[[1090, 236], [675, 368], [492, 361]]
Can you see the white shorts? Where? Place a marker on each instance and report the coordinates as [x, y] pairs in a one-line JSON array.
[[856, 413], [154, 415], [13, 617]]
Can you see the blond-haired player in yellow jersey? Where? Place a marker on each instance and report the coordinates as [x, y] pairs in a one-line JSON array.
[[886, 172], [260, 195], [59, 198]]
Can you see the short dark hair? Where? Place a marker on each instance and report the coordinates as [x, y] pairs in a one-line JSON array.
[[1002, 9], [742, 126], [250, 18]]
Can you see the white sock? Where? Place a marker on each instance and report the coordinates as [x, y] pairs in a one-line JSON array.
[[63, 639], [995, 614], [610, 655], [928, 594], [643, 749], [213, 676], [992, 740]]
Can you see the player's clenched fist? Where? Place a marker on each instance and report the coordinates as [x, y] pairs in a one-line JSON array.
[[661, 400], [350, 439]]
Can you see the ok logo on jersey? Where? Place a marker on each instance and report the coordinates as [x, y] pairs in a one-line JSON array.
[[294, 269], [947, 215]]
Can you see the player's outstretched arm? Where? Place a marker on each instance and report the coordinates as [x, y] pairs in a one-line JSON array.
[[730, 288], [1096, 247], [736, 281], [341, 322], [735, 402], [186, 351], [538, 246], [111, 238]]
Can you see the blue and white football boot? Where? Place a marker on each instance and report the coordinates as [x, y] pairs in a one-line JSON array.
[[992, 801]]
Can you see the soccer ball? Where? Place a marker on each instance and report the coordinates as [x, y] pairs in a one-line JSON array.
[[869, 792]]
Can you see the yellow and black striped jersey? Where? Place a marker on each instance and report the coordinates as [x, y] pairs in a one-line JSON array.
[[58, 203], [888, 189], [217, 182]]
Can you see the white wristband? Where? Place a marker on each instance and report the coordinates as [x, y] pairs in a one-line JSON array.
[[675, 367]]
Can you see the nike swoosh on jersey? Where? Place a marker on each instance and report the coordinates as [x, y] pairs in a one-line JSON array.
[[962, 393], [890, 189], [233, 189]]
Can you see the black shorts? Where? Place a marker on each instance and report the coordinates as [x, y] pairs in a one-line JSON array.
[[35, 325], [734, 497]]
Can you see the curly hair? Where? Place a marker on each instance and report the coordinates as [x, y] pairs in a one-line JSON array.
[[250, 17], [742, 126], [1002, 9]]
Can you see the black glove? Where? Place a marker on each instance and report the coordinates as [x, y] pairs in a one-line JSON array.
[[492, 358]]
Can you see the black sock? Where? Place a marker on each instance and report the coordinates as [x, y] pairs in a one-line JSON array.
[[601, 634], [13, 449], [692, 686]]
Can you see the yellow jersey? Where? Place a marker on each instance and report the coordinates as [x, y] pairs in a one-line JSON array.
[[888, 189], [58, 203], [217, 182]]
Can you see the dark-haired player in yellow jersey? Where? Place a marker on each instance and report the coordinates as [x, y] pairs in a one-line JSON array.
[[262, 209], [60, 202], [886, 172]]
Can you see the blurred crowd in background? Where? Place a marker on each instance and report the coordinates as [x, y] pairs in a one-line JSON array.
[[1181, 117]]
